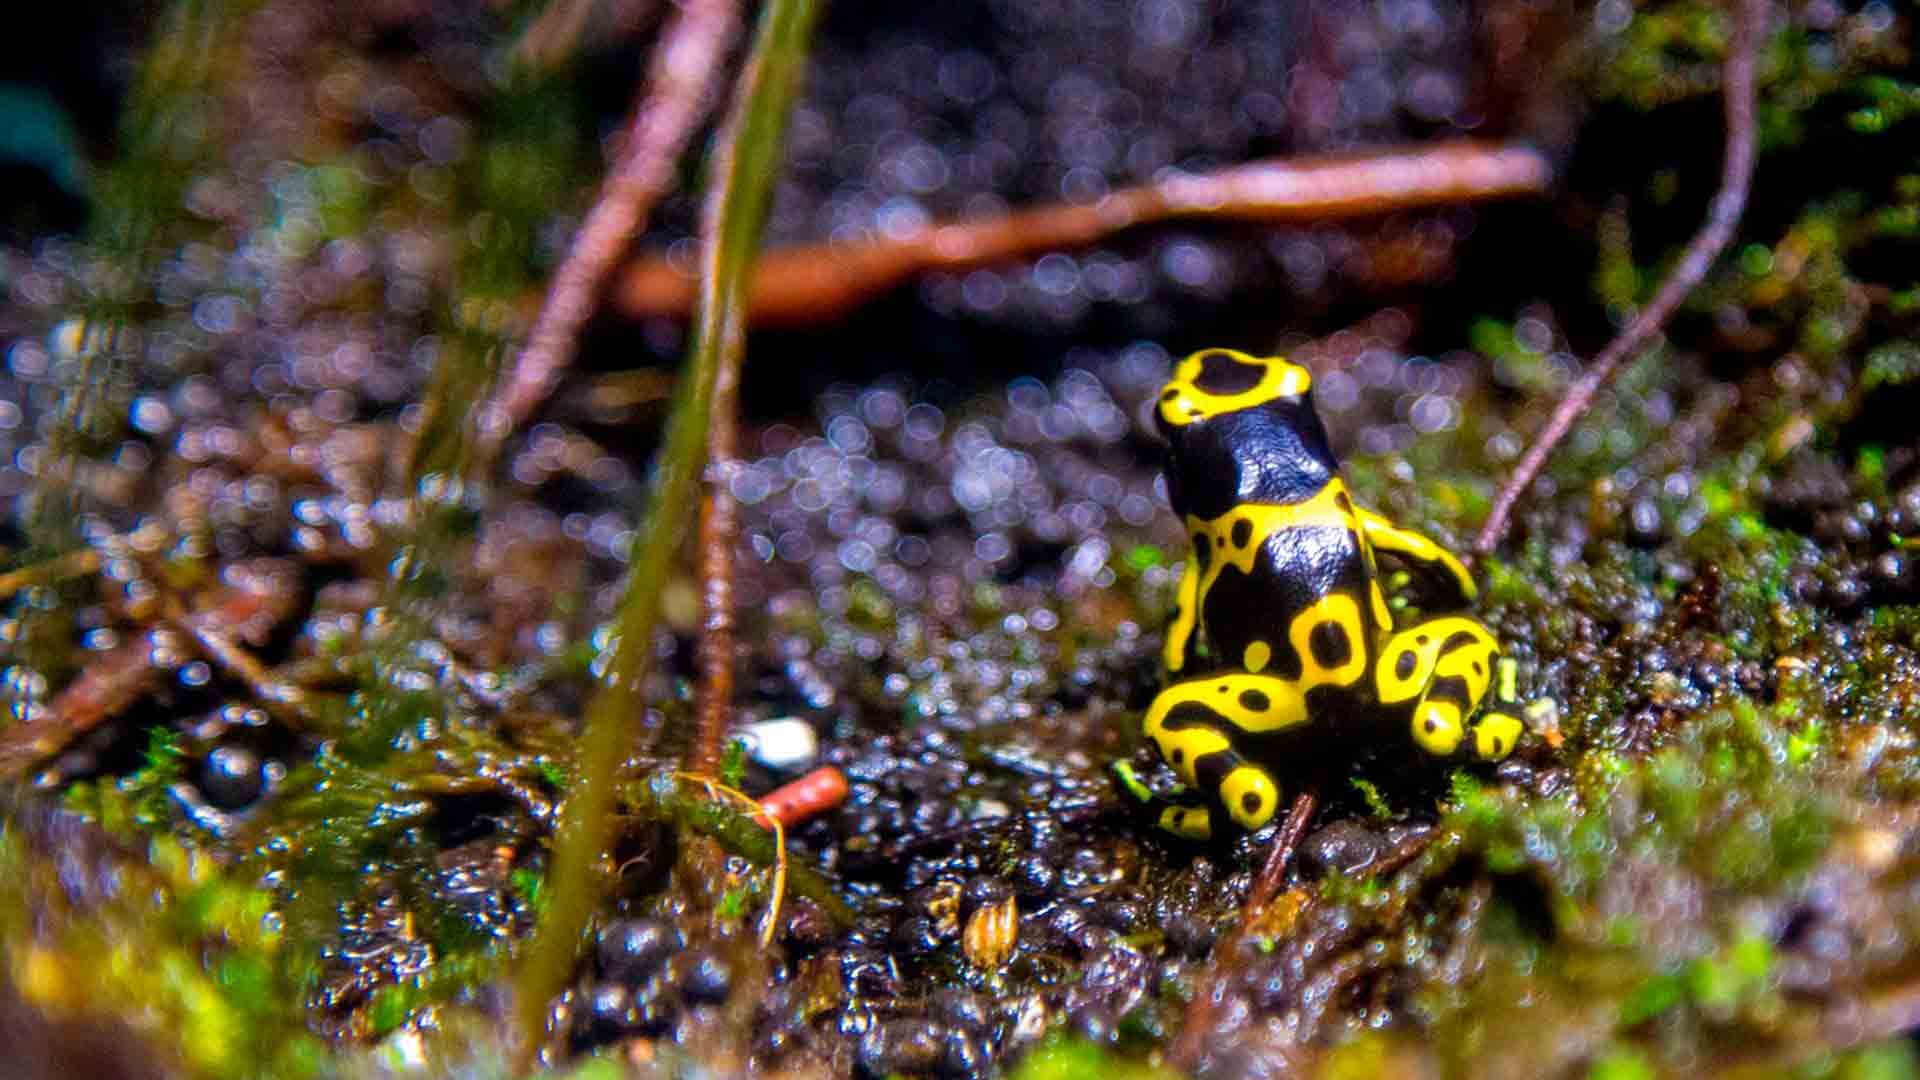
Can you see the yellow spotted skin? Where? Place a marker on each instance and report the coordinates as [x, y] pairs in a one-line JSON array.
[[1283, 649]]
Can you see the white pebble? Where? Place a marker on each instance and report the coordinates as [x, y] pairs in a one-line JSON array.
[[783, 743]]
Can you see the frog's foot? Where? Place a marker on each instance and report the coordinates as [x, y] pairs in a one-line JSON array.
[[1184, 813], [1444, 667], [1496, 731]]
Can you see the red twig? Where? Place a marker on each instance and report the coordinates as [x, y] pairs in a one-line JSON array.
[[814, 284], [1723, 215], [804, 799], [686, 66]]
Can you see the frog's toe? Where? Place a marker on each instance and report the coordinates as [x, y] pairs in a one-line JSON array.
[[1182, 813], [1189, 822], [1496, 734], [1437, 728]]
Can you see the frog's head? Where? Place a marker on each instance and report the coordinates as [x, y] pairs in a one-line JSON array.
[[1213, 382], [1241, 429]]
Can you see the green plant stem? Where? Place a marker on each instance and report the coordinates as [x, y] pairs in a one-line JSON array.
[[741, 189], [166, 135]]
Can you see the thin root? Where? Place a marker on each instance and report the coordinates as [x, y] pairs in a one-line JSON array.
[[1723, 216], [715, 790]]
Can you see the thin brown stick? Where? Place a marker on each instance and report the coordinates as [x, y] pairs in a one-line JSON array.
[[247, 604], [1203, 1009], [719, 531], [58, 568], [719, 525], [288, 703], [1723, 216], [809, 285], [680, 88], [1273, 873]]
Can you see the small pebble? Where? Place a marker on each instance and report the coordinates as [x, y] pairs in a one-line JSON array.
[[230, 777], [706, 976], [783, 744], [632, 949]]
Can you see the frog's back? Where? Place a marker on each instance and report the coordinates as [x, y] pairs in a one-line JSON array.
[[1273, 454], [1289, 589]]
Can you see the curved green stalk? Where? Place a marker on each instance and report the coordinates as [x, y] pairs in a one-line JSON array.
[[740, 190]]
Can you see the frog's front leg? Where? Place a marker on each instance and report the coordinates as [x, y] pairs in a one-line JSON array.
[[1419, 550], [1199, 727], [1443, 667], [1184, 812]]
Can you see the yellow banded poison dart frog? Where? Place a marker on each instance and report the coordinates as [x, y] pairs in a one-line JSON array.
[[1283, 649]]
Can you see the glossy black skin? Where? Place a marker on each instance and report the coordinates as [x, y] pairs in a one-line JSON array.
[[1275, 453]]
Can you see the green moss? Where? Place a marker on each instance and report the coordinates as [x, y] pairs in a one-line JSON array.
[[1622, 1063], [185, 952], [1061, 1058], [1377, 804], [1894, 1059]]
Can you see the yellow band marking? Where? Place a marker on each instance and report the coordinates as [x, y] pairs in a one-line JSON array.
[[1192, 822], [1250, 796], [1185, 617], [1258, 655], [1472, 662], [1378, 598], [1436, 727], [1495, 736], [1181, 747], [1182, 401], [1231, 543], [1408, 544], [1254, 703], [1340, 610], [1395, 682]]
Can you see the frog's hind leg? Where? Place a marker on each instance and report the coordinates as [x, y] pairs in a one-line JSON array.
[[1198, 726], [1443, 668]]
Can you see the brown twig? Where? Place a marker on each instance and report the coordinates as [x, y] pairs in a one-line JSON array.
[[1325, 940], [1273, 873], [245, 606], [719, 530], [686, 66], [749, 149], [1723, 216], [288, 703], [814, 284], [58, 568], [1205, 1005]]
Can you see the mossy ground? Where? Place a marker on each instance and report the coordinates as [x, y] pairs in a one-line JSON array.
[[317, 244]]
